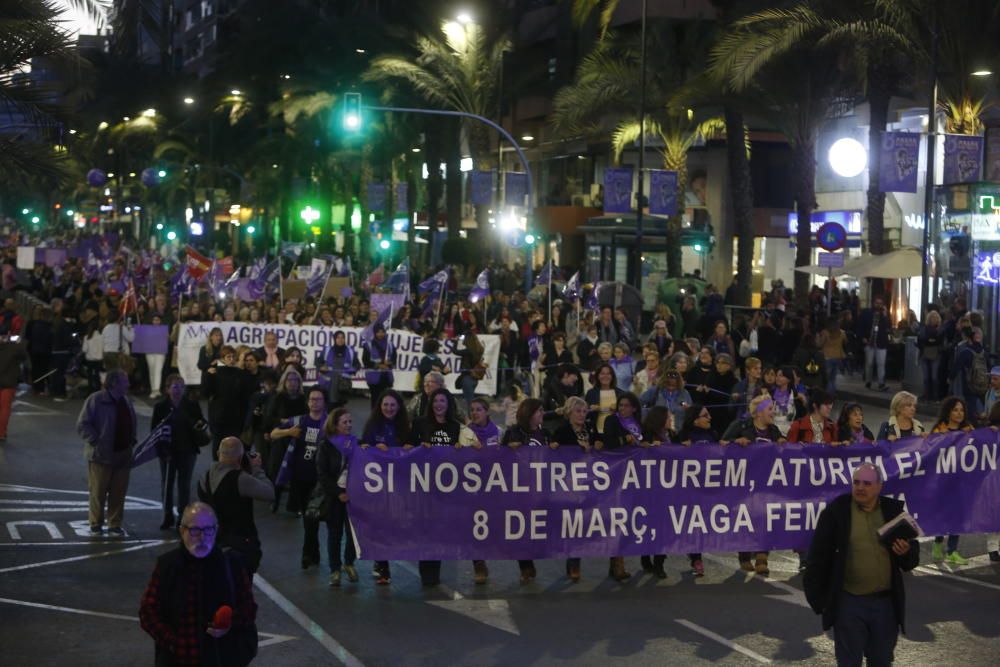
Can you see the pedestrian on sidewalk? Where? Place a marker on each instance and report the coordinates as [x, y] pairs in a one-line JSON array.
[[855, 581], [873, 329]]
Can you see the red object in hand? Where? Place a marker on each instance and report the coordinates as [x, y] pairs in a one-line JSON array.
[[223, 617]]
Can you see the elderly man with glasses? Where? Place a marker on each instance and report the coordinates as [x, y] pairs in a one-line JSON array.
[[198, 606]]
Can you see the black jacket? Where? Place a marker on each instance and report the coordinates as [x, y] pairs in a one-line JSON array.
[[183, 438], [228, 390], [824, 577]]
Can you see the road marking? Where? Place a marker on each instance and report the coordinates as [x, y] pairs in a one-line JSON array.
[[29, 566], [491, 612], [96, 540], [271, 641], [312, 627], [15, 533], [722, 640], [965, 580], [52, 505], [39, 409]]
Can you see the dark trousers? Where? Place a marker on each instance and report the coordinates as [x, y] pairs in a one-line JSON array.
[[430, 572], [298, 497], [92, 369], [57, 381], [865, 628], [39, 368], [176, 469], [338, 528], [952, 545], [310, 538]]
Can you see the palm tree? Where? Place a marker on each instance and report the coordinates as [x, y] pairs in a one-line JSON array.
[[458, 71], [607, 81], [32, 118]]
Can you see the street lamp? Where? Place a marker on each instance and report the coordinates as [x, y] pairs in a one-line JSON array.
[[464, 18], [982, 72], [848, 157], [189, 100]]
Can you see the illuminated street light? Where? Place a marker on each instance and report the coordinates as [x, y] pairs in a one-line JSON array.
[[848, 157], [527, 137], [188, 100], [982, 72], [72, 131], [161, 173], [464, 18], [25, 211], [103, 125], [384, 244], [159, 226], [35, 220], [171, 236], [149, 113], [236, 91], [126, 118]]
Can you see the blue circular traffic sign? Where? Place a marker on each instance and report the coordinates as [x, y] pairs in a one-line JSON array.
[[831, 236]]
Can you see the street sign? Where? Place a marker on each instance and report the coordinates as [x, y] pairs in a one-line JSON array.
[[833, 260], [831, 236]]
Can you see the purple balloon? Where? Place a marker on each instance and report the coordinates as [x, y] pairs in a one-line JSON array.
[[150, 178], [97, 178]]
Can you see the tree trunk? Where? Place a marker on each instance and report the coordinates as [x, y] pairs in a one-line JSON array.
[[804, 163], [453, 180], [741, 190], [675, 256], [434, 181]]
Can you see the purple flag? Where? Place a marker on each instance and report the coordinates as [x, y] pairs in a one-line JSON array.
[[572, 290], [545, 275], [399, 280], [481, 289], [515, 188], [318, 279], [897, 170], [433, 284], [662, 192], [963, 158], [618, 189], [383, 303], [376, 196], [150, 339], [593, 302], [497, 503], [481, 185]]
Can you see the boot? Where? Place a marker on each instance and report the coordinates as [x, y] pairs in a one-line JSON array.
[[760, 567], [647, 564], [617, 569], [574, 572], [482, 573]]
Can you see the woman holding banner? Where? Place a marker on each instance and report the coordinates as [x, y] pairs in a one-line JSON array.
[[759, 428], [438, 427], [331, 467], [902, 422], [574, 431], [528, 432], [288, 401], [379, 357], [388, 426], [953, 417], [603, 396]]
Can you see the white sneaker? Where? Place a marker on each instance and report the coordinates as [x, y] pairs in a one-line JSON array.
[[155, 395]]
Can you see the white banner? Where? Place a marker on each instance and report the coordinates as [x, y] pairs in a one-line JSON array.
[[314, 339]]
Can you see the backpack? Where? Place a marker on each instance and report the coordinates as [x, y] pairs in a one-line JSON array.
[[977, 378]]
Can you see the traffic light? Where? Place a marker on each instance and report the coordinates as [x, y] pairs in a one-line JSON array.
[[384, 244], [352, 112], [309, 215], [529, 239], [251, 229]]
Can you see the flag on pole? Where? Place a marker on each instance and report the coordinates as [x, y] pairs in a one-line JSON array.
[[572, 290], [345, 268], [320, 275], [545, 277], [398, 281], [435, 282], [384, 318], [593, 302], [376, 277], [292, 249], [266, 279], [481, 289], [145, 451], [130, 302], [197, 264]]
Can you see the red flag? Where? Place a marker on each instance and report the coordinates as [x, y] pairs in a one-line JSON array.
[[130, 302], [197, 264], [376, 277]]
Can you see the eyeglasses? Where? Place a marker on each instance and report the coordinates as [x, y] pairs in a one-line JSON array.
[[198, 531]]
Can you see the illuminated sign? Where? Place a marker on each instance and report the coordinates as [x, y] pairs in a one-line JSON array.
[[987, 268], [850, 220]]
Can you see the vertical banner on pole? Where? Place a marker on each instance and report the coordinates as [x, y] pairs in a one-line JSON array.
[[898, 162], [618, 190], [481, 188], [402, 196], [376, 197], [963, 157], [662, 192], [515, 188]]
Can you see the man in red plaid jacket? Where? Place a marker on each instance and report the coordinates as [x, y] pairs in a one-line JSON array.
[[199, 606]]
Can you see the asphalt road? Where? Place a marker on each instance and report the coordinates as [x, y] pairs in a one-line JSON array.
[[68, 599]]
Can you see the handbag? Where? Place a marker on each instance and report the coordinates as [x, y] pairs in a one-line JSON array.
[[318, 507], [201, 436]]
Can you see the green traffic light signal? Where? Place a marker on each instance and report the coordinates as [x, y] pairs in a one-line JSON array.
[[529, 239], [384, 244], [352, 112], [251, 229], [162, 173]]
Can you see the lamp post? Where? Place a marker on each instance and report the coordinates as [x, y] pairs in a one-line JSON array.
[[925, 291], [637, 261]]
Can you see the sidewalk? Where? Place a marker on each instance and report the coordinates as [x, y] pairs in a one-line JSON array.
[[852, 388]]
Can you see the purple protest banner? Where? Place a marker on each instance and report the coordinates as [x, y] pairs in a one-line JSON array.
[[55, 256], [376, 196], [618, 189], [515, 188], [432, 503], [481, 186], [963, 158], [662, 192], [150, 339], [898, 162], [381, 303]]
